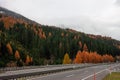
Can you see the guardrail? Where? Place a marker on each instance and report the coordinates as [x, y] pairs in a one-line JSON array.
[[32, 67], [19, 68], [41, 70]]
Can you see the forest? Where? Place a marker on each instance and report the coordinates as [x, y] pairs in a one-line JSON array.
[[24, 43]]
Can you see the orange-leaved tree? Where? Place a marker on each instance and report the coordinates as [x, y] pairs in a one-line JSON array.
[[85, 56], [78, 58], [17, 55], [108, 58], [31, 59], [9, 48], [66, 59], [27, 61], [111, 59]]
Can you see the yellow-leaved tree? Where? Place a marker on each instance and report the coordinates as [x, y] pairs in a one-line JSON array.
[[67, 59]]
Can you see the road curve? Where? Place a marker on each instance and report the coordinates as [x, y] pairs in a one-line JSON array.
[[89, 73]]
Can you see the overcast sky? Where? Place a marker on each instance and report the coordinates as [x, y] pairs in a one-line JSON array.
[[90, 16]]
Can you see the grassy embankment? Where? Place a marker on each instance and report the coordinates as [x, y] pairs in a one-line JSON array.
[[113, 76]]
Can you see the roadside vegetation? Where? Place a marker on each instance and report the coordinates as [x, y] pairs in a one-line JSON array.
[[113, 76]]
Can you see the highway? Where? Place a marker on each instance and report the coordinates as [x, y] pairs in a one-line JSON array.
[[61, 72], [41, 70], [89, 73]]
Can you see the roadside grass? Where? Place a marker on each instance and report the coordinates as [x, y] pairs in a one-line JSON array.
[[113, 76]]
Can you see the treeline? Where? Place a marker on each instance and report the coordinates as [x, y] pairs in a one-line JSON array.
[[46, 44], [88, 57]]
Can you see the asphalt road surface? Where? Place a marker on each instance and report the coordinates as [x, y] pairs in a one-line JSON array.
[[47, 68], [90, 73]]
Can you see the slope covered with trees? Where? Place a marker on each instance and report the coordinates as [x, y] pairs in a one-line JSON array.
[[25, 42]]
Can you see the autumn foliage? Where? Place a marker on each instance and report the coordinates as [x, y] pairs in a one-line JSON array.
[[31, 59], [28, 60], [41, 33], [9, 21], [17, 55], [92, 57], [66, 60], [78, 58], [108, 58], [24, 42], [9, 48]]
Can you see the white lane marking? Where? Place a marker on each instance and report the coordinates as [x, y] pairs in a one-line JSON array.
[[97, 73], [39, 77], [70, 75], [44, 76], [93, 74]]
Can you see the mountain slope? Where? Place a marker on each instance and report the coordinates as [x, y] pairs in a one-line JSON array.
[[15, 15], [25, 42]]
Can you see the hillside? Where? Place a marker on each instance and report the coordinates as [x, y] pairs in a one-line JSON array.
[[25, 42]]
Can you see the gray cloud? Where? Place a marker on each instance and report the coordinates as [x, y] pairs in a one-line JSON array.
[[90, 16], [117, 2]]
